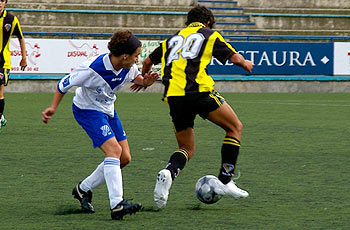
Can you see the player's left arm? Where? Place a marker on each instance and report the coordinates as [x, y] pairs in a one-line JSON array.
[[18, 32], [239, 60], [223, 51]]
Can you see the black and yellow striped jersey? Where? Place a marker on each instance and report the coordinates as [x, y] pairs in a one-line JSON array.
[[185, 57], [9, 26]]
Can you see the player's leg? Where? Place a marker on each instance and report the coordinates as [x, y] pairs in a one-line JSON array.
[[83, 190], [183, 114], [91, 121], [183, 119], [114, 181], [175, 164], [112, 171], [97, 177], [2, 104], [108, 134], [177, 161], [117, 149], [125, 158], [121, 137], [3, 82], [225, 117]]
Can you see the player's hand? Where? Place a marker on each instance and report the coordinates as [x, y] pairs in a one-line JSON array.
[[23, 64], [135, 87], [47, 114], [248, 66], [150, 78]]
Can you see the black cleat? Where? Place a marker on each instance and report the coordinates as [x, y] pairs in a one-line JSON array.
[[123, 208], [84, 199]]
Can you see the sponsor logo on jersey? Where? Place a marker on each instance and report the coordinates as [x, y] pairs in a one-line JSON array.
[[117, 79]]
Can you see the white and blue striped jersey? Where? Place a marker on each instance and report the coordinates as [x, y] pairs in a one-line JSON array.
[[97, 83]]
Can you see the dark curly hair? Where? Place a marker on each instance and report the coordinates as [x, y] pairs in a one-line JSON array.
[[200, 14], [123, 42], [118, 38]]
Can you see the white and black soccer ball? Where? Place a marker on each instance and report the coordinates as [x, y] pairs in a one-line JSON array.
[[205, 189]]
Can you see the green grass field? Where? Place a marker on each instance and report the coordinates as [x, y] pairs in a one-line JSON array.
[[294, 161]]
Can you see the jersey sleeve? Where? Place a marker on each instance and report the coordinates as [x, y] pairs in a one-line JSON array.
[[17, 29], [222, 50], [156, 55], [133, 73], [78, 77]]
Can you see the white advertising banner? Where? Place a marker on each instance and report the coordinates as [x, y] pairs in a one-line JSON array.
[[341, 58], [61, 56]]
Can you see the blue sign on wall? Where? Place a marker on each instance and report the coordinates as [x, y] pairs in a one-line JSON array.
[[270, 58]]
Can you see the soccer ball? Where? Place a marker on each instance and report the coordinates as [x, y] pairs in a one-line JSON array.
[[205, 189]]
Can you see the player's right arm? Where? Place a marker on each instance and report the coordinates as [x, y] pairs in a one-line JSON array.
[[153, 59], [147, 65], [78, 77], [48, 112]]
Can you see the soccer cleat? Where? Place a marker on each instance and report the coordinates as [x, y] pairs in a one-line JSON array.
[[3, 121], [161, 190], [231, 189], [123, 208], [84, 198]]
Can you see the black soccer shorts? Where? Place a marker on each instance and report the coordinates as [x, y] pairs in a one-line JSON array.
[[183, 109], [4, 76]]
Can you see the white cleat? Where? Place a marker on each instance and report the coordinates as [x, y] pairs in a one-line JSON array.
[[161, 191], [231, 189]]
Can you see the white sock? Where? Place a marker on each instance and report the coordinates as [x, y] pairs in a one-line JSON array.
[[94, 180], [114, 180]]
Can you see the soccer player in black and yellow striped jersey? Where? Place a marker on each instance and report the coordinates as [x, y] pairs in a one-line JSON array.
[[189, 91], [9, 26]]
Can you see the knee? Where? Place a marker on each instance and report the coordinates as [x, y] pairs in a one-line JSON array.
[[114, 151], [235, 130], [239, 127], [126, 160]]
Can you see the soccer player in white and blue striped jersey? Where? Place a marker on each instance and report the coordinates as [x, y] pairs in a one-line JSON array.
[[98, 79]]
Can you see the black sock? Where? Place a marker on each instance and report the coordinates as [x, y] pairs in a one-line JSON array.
[[177, 162], [2, 106], [229, 154]]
